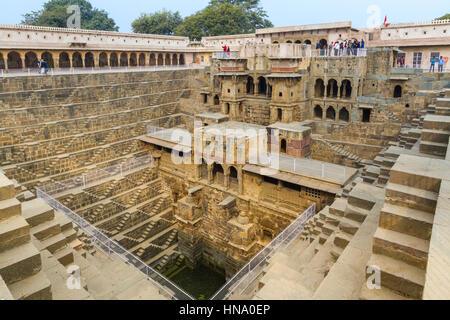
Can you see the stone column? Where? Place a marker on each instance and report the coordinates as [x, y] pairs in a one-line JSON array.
[[240, 181], [96, 59], [198, 171], [210, 174]]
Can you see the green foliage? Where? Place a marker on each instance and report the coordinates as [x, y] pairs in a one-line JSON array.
[[54, 14], [444, 17], [162, 22], [225, 17]]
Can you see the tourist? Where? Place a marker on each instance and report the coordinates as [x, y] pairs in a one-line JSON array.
[[44, 67], [341, 48], [228, 51], [441, 64], [433, 61], [38, 62], [225, 49], [363, 44], [336, 48]]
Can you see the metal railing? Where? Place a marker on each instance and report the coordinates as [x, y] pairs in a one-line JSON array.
[[98, 238], [226, 55], [113, 249], [241, 280], [93, 177], [345, 52], [90, 70]]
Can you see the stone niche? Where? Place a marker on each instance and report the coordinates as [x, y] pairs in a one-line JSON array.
[[294, 139]]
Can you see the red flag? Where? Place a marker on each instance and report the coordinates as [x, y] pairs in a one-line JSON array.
[[385, 20]]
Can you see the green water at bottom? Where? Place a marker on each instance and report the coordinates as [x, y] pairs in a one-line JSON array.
[[201, 282]]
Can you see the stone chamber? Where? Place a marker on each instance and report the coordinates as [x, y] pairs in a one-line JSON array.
[[373, 158]]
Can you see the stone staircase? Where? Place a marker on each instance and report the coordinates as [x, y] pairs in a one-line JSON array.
[[435, 135], [401, 242], [342, 152]]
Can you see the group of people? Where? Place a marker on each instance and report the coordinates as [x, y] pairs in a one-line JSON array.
[[42, 66], [226, 50], [440, 62], [341, 48]]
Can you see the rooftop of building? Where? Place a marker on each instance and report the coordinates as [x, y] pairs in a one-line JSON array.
[[320, 26]]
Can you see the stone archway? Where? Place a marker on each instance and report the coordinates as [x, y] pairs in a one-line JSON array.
[[31, 60], [344, 115], [2, 61], [250, 85], [182, 62], [216, 100], [142, 60], [48, 57], [262, 86], [283, 146], [160, 60], [398, 91], [123, 59], [14, 60], [168, 60], [64, 60], [331, 113], [319, 89], [77, 60], [152, 60], [89, 60], [133, 60], [318, 112], [103, 60], [218, 174], [233, 181], [175, 60], [346, 89], [113, 60], [333, 89], [297, 42]]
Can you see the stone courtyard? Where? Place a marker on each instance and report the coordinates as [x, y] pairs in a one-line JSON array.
[[358, 142]]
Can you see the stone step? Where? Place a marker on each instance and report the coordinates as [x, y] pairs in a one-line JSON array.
[[410, 177], [356, 213], [9, 208], [37, 211], [64, 256], [382, 294], [342, 240], [51, 244], [409, 221], [399, 276], [19, 263], [399, 246], [36, 287], [433, 148], [349, 226], [413, 198], [435, 136], [338, 207], [14, 231], [46, 230]]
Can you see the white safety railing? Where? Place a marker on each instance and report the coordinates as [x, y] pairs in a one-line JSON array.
[[226, 55], [98, 238], [345, 52], [241, 280], [90, 70], [96, 176], [113, 249]]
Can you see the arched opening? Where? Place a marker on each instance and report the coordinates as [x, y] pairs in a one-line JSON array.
[[398, 92], [333, 89], [227, 108], [298, 42], [366, 114], [123, 59], [48, 57], [218, 174], [182, 63], [133, 60], [77, 60], [14, 60], [31, 60], [175, 60], [323, 43], [275, 42], [216, 100], [160, 60], [168, 62], [250, 86], [2, 62], [233, 178], [142, 60], [319, 89], [103, 60], [308, 42], [331, 113], [344, 115], [64, 60], [89, 60], [283, 146], [262, 86], [289, 41], [113, 60], [346, 89], [318, 112], [279, 114], [152, 60]]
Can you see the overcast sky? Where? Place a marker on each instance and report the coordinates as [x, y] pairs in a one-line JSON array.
[[281, 12]]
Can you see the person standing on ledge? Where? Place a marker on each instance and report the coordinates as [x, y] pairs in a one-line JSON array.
[[433, 63], [44, 67], [441, 64], [38, 62]]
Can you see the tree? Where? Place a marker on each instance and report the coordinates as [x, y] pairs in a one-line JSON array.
[[54, 14], [444, 17], [161, 22], [225, 17]]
